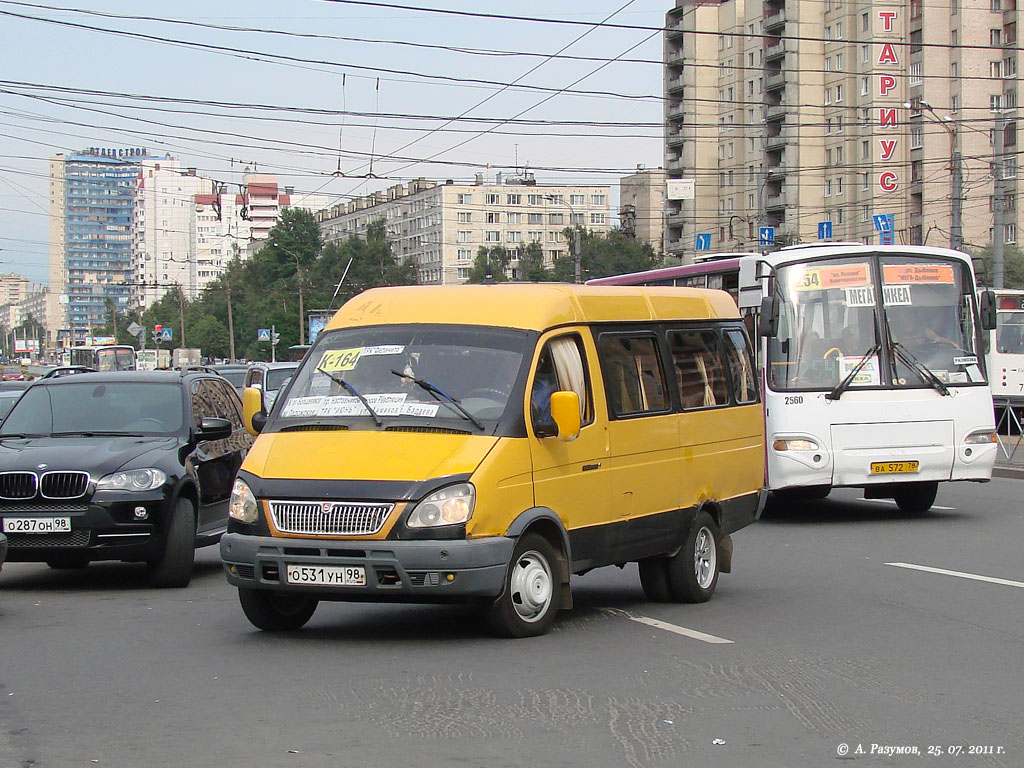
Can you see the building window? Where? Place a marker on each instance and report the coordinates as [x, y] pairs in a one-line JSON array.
[[465, 198], [465, 216], [465, 254], [1011, 233], [916, 137], [555, 218], [577, 199], [865, 86], [515, 218], [535, 218], [865, 22], [492, 236], [598, 200], [535, 200], [597, 218], [514, 199], [916, 77], [995, 69], [576, 219], [492, 199], [995, 37], [465, 236], [995, 101], [492, 218], [513, 237]]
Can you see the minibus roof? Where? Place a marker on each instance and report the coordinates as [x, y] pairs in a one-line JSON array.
[[530, 306]]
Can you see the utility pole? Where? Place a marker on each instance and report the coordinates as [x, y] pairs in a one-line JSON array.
[[998, 204], [956, 229], [231, 326], [181, 313]]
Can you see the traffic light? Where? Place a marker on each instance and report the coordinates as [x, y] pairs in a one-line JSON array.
[[275, 337], [156, 333]]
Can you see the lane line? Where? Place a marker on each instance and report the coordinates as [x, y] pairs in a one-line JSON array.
[[692, 633], [959, 574], [891, 501]]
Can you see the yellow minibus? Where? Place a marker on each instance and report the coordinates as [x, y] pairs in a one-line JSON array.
[[485, 443]]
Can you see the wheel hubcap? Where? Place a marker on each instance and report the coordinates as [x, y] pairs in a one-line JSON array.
[[705, 557], [531, 586]]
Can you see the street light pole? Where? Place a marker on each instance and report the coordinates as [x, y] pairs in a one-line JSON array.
[[956, 228], [298, 275], [998, 204], [576, 256]]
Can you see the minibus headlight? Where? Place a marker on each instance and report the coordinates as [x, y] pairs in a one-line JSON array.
[[795, 445], [448, 506], [243, 504], [981, 438]]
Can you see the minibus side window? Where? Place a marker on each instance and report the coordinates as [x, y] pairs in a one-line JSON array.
[[700, 374], [741, 367], [633, 376], [560, 367]]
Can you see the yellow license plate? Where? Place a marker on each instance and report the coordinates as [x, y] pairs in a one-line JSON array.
[[893, 467]]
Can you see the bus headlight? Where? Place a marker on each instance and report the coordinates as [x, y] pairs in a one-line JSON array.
[[243, 504], [984, 437], [447, 506]]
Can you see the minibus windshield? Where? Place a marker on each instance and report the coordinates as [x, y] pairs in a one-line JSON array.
[[360, 377]]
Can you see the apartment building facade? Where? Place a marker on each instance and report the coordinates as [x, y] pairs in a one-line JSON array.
[[642, 206], [838, 112], [440, 227]]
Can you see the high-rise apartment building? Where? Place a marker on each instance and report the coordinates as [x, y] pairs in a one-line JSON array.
[[91, 202], [162, 253], [787, 115], [440, 227]]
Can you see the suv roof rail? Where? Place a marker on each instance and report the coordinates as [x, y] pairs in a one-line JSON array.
[[197, 369], [67, 370]]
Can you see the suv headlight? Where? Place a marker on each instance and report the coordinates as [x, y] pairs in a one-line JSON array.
[[243, 506], [447, 506], [132, 480]]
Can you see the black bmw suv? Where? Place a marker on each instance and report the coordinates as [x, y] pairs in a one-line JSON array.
[[132, 465]]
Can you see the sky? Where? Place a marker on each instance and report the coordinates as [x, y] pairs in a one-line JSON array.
[[314, 90]]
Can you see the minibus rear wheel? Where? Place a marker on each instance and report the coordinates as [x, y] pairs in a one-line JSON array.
[[915, 498], [276, 611], [693, 572], [529, 602], [654, 579]]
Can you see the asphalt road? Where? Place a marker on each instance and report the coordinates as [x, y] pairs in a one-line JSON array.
[[830, 644]]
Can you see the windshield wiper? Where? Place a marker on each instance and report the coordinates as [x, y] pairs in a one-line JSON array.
[[919, 368], [94, 433], [441, 396], [842, 386], [340, 380], [20, 435]]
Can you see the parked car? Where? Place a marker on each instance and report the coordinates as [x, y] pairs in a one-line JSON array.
[[269, 377], [12, 373], [132, 465], [234, 374]]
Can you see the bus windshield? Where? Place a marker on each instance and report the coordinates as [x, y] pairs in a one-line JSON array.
[[874, 321], [1010, 333]]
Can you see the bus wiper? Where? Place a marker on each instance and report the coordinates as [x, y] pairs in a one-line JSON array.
[[441, 396], [94, 433], [842, 386], [340, 380], [918, 367]]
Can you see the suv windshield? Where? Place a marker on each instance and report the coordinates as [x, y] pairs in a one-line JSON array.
[[276, 377], [361, 375], [97, 407], [898, 321]]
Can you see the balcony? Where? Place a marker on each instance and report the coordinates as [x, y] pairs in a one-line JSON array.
[[674, 164], [674, 138], [674, 84], [774, 20], [777, 171], [775, 81], [775, 112], [775, 202], [775, 51], [676, 219], [778, 141]]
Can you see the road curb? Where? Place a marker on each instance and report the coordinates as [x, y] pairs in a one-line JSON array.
[[1012, 472]]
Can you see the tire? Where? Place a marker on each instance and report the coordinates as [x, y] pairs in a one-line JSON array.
[[654, 579], [276, 611], [915, 498], [693, 572], [530, 599], [173, 568], [60, 562]]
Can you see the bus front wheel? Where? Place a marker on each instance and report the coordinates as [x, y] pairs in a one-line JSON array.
[[915, 498]]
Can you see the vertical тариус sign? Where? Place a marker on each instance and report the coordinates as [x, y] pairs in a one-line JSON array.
[[888, 58]]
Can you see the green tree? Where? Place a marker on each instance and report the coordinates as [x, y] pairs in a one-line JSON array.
[[603, 255], [490, 265], [1013, 266], [531, 264]]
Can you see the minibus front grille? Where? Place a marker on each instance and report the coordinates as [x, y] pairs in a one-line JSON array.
[[429, 430], [338, 518]]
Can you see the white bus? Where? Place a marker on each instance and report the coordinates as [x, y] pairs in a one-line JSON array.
[[871, 365], [1005, 347]]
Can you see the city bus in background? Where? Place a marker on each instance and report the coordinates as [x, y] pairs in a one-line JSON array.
[[871, 362], [1005, 348], [104, 357]]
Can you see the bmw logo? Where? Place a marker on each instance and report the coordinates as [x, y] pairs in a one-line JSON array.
[[42, 466]]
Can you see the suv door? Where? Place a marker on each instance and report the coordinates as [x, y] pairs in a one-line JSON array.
[[216, 462]]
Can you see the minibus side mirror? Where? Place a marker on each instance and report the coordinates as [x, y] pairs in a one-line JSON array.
[[254, 417], [988, 310], [565, 410], [768, 320]]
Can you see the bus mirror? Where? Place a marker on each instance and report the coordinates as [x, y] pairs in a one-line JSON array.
[[988, 310], [565, 410], [253, 416], [768, 320]]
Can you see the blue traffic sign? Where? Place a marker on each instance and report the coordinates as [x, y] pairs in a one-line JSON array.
[[883, 222], [166, 334], [824, 230], [703, 241], [767, 235], [263, 334], [885, 238]]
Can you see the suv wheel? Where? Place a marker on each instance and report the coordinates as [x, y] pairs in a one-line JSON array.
[[173, 568]]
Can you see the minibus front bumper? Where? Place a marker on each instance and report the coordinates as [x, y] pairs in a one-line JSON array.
[[399, 571]]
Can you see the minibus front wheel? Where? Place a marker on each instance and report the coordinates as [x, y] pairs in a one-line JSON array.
[[275, 611], [529, 601]]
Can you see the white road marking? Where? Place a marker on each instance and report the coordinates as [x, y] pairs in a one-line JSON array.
[[959, 574], [684, 631], [891, 501]]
